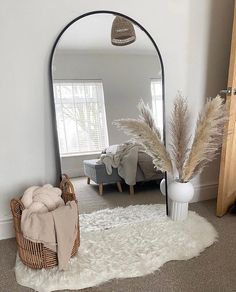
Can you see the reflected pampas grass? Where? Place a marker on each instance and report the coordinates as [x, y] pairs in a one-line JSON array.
[[143, 134], [146, 117]]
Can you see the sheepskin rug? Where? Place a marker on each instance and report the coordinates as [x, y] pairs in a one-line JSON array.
[[121, 243]]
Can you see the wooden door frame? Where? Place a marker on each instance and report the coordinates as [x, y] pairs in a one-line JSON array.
[[224, 199]]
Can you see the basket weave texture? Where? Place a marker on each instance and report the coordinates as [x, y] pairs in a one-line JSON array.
[[122, 32], [36, 255]]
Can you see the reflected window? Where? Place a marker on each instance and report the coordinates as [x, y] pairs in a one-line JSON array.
[[157, 102], [81, 116]]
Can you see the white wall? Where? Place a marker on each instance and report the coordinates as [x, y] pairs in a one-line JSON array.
[[193, 37], [126, 79], [73, 165]]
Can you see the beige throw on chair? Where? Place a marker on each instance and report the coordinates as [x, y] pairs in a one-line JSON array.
[[124, 157]]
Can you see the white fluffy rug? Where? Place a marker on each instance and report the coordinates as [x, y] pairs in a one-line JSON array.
[[121, 243]]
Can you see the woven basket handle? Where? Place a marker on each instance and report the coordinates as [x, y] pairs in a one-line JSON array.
[[66, 186], [17, 207]]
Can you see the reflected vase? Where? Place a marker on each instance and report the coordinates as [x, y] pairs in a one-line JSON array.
[[163, 191]]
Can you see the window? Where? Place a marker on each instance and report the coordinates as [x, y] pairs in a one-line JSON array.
[[81, 117], [157, 102]]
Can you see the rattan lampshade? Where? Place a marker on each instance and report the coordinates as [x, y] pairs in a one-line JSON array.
[[122, 32]]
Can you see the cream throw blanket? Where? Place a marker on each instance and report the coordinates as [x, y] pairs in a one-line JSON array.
[[42, 199], [49, 221], [124, 157]]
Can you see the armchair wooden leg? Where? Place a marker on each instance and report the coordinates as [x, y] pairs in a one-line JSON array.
[[101, 189], [119, 186], [88, 180], [131, 190]]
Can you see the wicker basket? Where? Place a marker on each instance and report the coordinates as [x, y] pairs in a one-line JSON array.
[[36, 255]]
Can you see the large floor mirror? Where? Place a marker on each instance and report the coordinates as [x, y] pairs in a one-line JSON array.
[[102, 64]]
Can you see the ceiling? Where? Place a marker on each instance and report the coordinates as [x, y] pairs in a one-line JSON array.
[[93, 34]]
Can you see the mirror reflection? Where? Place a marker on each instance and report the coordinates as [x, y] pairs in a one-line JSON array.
[[103, 66]]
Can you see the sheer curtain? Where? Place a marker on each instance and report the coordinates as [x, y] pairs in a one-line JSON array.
[[81, 116]]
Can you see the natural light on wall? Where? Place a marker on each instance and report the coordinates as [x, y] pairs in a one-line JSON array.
[[81, 116], [157, 102]]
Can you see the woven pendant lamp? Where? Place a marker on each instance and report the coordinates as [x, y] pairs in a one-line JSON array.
[[122, 32]]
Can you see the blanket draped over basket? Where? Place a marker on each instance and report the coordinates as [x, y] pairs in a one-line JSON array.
[[52, 229], [37, 255]]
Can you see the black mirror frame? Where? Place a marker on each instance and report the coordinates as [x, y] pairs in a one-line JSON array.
[[57, 152]]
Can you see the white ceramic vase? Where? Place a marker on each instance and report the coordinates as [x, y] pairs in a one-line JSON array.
[[180, 195]]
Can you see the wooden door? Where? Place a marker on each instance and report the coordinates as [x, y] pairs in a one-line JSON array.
[[227, 180]]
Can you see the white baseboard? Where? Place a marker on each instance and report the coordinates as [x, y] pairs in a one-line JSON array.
[[202, 193], [74, 172], [6, 228], [205, 192]]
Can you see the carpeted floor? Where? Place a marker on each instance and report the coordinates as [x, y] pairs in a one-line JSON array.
[[214, 270]]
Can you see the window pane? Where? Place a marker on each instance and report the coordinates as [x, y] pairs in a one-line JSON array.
[[81, 118], [157, 102]]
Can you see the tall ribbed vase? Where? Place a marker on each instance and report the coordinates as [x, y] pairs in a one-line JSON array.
[[180, 195]]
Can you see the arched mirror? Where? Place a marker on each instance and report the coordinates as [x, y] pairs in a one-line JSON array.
[[102, 64]]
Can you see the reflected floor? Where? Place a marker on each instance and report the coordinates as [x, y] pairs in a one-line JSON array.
[[90, 200]]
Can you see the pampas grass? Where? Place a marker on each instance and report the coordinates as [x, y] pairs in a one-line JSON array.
[[207, 138], [188, 161], [179, 132], [142, 133]]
